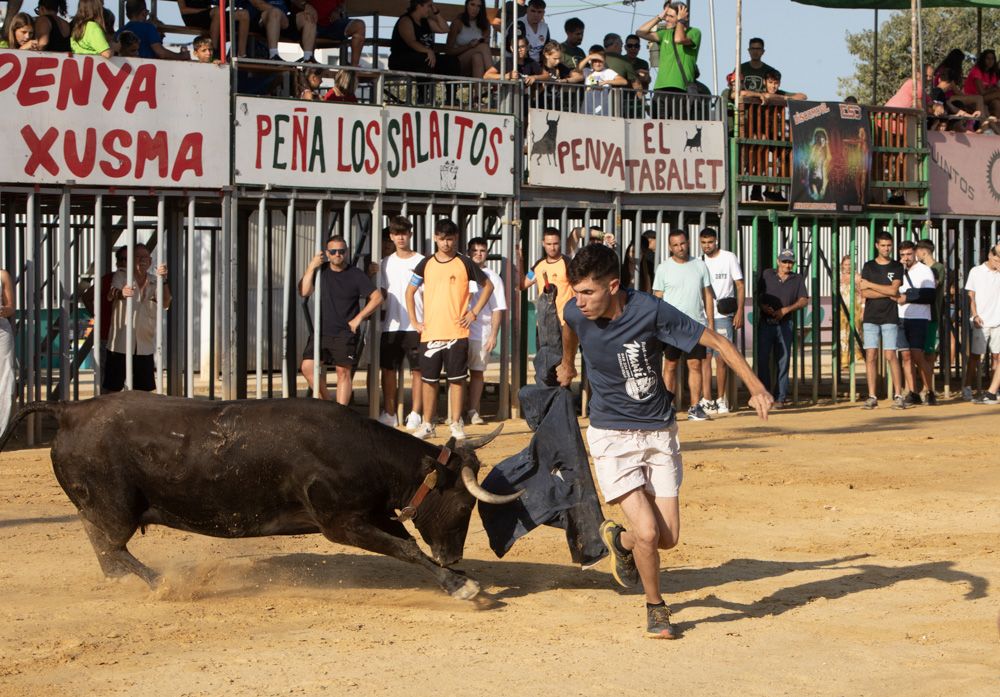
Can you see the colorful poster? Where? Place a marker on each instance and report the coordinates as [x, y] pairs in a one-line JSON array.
[[831, 157], [965, 173], [636, 156], [117, 122]]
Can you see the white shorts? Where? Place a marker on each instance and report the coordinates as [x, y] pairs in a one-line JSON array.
[[981, 336], [629, 460], [478, 357]]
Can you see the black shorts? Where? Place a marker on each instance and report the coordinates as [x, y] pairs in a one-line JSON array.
[[452, 355], [334, 350], [143, 373], [202, 19], [672, 353], [394, 346]]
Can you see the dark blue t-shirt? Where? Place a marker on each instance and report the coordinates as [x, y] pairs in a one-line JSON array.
[[148, 35], [625, 361]]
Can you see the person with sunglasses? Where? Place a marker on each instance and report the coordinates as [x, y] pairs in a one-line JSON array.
[[343, 287], [782, 292], [640, 66]]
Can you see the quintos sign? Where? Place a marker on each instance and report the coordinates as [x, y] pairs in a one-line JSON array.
[[349, 146], [965, 173], [117, 122]]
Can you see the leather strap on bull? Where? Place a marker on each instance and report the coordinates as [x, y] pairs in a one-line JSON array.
[[430, 481]]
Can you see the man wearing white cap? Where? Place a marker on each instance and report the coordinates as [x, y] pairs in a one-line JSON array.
[[781, 293]]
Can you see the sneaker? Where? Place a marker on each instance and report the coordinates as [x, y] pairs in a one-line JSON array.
[[915, 398], [967, 394], [658, 622], [988, 398], [931, 399], [474, 418], [870, 403], [623, 568], [899, 403], [387, 419], [910, 400], [696, 413], [721, 406], [424, 431], [413, 421], [708, 405], [458, 430]]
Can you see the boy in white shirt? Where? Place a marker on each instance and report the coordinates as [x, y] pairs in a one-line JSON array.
[[599, 79], [484, 331], [914, 321]]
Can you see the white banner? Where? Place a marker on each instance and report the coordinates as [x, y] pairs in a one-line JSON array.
[[639, 156], [117, 122], [965, 173]]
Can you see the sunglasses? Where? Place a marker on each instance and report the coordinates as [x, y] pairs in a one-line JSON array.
[[631, 45], [336, 251]]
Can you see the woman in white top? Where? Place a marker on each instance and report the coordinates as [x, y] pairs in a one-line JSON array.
[[468, 40], [7, 309]]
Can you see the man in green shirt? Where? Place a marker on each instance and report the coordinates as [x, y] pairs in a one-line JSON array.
[[673, 75]]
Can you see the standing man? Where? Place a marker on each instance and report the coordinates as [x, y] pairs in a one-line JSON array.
[[551, 270], [782, 293], [633, 432], [399, 339], [881, 279], [641, 67], [730, 292], [983, 287], [449, 280], [925, 255], [571, 51], [484, 331], [679, 44], [340, 315], [914, 316], [753, 73], [684, 283]]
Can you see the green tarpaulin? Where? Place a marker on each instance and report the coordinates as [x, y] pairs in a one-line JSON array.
[[897, 4]]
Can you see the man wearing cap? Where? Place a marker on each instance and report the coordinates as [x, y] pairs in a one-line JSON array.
[[781, 293]]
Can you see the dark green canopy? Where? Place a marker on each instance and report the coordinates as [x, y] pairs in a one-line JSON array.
[[897, 4]]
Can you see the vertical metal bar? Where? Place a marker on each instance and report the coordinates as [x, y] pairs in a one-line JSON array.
[[317, 300], [189, 303], [99, 319], [228, 319], [835, 310], [130, 282], [161, 257], [816, 322], [852, 308], [637, 251], [261, 293], [287, 381], [31, 305], [65, 293], [374, 384]]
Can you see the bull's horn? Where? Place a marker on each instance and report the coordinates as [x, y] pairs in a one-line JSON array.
[[480, 493], [482, 440]]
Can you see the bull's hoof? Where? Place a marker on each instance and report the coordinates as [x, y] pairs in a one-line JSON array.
[[467, 591]]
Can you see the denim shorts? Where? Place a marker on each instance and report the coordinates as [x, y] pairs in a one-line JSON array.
[[723, 325], [888, 332]]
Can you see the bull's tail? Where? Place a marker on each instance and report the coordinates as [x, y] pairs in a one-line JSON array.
[[32, 408]]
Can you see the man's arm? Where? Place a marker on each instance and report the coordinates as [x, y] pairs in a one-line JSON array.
[[708, 296], [306, 282], [167, 297], [760, 399], [484, 298], [497, 320], [566, 370], [797, 305], [374, 300], [741, 297], [680, 29], [648, 30], [874, 290], [411, 306], [973, 312]]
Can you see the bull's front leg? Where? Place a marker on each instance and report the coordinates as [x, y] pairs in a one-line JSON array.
[[365, 535]]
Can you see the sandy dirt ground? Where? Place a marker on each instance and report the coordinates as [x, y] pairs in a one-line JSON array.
[[830, 551]]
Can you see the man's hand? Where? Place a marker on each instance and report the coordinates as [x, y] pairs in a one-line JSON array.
[[317, 261], [161, 270], [900, 299], [354, 324], [977, 320], [761, 403], [431, 59], [565, 372], [490, 344], [128, 291], [419, 326], [467, 319], [682, 13], [738, 320]]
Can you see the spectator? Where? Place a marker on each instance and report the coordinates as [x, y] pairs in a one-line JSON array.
[[468, 40], [552, 67], [916, 295], [983, 289], [524, 69], [345, 82], [333, 23], [308, 83], [640, 66], [400, 338], [532, 27], [599, 79], [614, 59], [21, 33], [925, 255], [881, 279], [273, 16], [484, 331], [550, 270], [143, 293], [647, 262], [201, 49], [448, 279], [88, 36], [8, 308], [684, 283], [729, 293], [121, 263], [128, 44], [204, 14], [950, 69], [341, 314], [412, 44], [150, 39], [572, 54], [949, 109], [753, 72], [781, 293], [983, 80], [678, 44], [845, 318], [903, 99], [51, 28]]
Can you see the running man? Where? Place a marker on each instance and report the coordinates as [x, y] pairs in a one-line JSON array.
[[633, 432]]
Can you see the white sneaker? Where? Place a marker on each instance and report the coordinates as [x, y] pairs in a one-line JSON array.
[[387, 419], [708, 405], [424, 431], [413, 421], [474, 418], [458, 430], [721, 406]]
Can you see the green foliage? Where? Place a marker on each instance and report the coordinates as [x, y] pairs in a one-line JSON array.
[[943, 29]]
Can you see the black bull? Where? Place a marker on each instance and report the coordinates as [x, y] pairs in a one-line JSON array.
[[256, 468]]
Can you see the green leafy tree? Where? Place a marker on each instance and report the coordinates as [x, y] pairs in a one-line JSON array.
[[943, 29]]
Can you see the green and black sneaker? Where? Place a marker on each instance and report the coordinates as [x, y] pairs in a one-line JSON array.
[[658, 622], [623, 568]]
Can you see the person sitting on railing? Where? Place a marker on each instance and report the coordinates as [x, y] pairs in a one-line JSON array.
[[640, 66], [599, 79], [951, 68], [21, 33], [273, 16], [948, 112], [128, 44], [204, 14], [983, 79], [345, 82], [150, 39], [88, 36], [412, 45], [51, 28], [532, 26], [524, 69], [572, 54], [333, 23], [469, 40]]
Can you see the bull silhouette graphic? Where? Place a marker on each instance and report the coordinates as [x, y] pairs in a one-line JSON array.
[[693, 142], [546, 145]]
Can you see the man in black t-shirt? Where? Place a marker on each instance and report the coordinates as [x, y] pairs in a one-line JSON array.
[[782, 293], [342, 288], [880, 281]]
